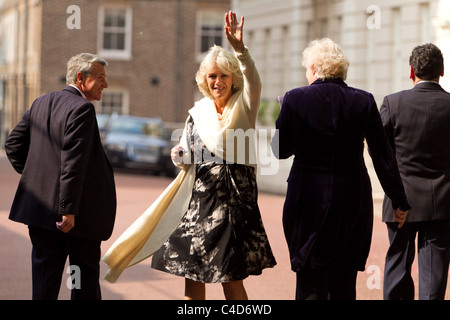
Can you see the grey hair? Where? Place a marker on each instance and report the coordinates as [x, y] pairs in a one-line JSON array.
[[82, 63], [328, 59]]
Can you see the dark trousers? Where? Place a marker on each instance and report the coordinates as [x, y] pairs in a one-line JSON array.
[[49, 255], [433, 246], [335, 283]]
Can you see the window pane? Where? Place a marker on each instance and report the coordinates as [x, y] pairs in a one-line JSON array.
[[120, 41], [115, 18], [107, 41], [205, 44], [121, 19], [108, 19], [218, 40]]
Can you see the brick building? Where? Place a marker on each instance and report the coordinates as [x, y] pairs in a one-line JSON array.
[[153, 48]]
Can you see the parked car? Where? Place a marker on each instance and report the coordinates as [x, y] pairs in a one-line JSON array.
[[102, 121], [136, 143]]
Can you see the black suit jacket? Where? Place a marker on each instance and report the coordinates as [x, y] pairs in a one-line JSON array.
[[417, 123], [57, 149], [327, 215]]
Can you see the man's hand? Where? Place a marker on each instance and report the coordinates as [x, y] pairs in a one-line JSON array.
[[67, 223], [400, 217]]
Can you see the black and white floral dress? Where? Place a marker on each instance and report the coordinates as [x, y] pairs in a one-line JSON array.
[[221, 237]]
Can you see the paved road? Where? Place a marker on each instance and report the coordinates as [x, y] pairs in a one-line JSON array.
[[135, 193]]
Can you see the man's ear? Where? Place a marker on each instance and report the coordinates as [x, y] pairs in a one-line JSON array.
[[412, 76], [80, 76]]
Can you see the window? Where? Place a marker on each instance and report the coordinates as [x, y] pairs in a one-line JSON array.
[[114, 101], [115, 32], [211, 30]]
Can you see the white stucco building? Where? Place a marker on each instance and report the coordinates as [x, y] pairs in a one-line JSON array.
[[376, 35]]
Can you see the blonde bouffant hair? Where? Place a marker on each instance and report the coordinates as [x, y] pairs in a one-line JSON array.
[[328, 59], [226, 62]]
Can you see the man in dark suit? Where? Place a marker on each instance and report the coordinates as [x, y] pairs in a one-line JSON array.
[[66, 194], [417, 125]]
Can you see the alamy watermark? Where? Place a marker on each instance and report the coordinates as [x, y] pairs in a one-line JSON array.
[[374, 20], [74, 279], [374, 280], [74, 20], [238, 144]]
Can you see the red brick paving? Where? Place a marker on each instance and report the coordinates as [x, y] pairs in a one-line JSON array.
[[135, 193]]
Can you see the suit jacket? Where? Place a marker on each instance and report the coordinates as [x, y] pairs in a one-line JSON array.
[[417, 123], [57, 149], [328, 211]]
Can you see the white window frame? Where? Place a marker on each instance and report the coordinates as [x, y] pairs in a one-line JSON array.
[[124, 54], [200, 22], [125, 108]]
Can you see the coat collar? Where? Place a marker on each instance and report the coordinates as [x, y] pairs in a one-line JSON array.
[[74, 90], [428, 85], [337, 81]]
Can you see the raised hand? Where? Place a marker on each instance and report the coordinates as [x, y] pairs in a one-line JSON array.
[[234, 31]]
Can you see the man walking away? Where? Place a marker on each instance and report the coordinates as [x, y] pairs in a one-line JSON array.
[[417, 123]]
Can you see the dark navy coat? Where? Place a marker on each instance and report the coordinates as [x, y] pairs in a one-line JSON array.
[[56, 148], [328, 211]]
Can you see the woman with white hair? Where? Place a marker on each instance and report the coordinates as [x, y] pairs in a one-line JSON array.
[[328, 211], [221, 238]]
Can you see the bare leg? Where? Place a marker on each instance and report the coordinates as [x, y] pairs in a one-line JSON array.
[[194, 290], [234, 290]]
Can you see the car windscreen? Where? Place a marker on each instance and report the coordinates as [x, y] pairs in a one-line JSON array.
[[137, 127]]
